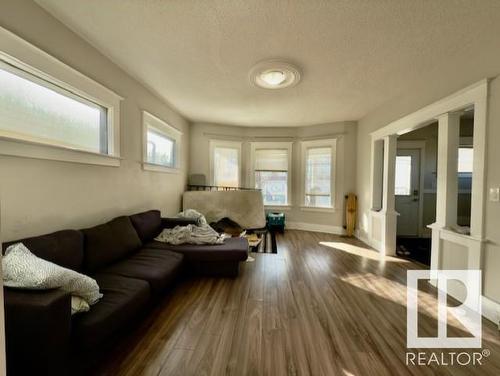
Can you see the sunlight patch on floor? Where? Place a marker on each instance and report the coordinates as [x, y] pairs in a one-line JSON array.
[[361, 251]]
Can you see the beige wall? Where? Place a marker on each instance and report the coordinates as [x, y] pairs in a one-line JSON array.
[[39, 196], [346, 153], [488, 64]]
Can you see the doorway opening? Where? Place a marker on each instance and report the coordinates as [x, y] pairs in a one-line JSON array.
[[415, 192]]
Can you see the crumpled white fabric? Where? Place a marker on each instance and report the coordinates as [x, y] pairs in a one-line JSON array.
[[193, 214], [190, 234], [22, 269]]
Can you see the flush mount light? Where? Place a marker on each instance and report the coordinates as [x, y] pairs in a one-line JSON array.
[[274, 74]]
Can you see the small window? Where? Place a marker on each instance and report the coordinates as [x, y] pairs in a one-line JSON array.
[[162, 144], [32, 109], [271, 172], [160, 148], [403, 175], [225, 163], [318, 177]]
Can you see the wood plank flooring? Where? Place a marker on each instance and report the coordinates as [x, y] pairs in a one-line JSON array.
[[324, 305]]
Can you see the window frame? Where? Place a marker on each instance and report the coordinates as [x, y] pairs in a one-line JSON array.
[[164, 129], [25, 60], [311, 144], [213, 144], [254, 146]]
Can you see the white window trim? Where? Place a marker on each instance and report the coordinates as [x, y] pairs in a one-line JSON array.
[[150, 120], [272, 145], [22, 55], [213, 144], [304, 145]]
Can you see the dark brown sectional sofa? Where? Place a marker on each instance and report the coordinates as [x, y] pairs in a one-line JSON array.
[[132, 270]]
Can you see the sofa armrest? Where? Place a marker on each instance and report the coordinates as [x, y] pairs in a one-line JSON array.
[[38, 330], [172, 222]]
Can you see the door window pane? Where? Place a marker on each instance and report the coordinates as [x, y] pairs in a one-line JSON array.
[[226, 167], [403, 175], [160, 148], [35, 110], [465, 160], [318, 176]]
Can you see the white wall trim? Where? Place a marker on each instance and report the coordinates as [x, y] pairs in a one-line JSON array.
[[458, 101], [35, 150], [337, 230]]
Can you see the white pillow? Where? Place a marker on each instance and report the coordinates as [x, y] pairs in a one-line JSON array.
[[22, 269]]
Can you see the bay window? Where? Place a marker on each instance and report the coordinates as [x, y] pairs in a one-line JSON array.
[[318, 158], [271, 172], [225, 163]]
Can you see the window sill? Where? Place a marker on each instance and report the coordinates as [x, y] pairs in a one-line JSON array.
[[278, 207], [159, 168], [35, 150], [324, 209]]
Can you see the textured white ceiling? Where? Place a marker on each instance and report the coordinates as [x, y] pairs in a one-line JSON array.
[[355, 55]]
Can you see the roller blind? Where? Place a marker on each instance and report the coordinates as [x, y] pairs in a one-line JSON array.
[[271, 160], [318, 171], [226, 166]]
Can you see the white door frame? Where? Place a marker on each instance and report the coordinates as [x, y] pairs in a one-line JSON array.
[[419, 145], [447, 112]]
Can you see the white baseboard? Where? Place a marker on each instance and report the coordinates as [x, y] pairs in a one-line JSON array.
[[375, 244], [337, 230]]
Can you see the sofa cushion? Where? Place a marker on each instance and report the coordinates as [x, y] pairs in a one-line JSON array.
[[109, 243], [147, 224], [64, 248], [158, 267], [233, 249], [123, 299]]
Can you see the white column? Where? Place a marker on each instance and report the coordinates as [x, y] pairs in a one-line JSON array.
[[388, 202], [447, 181], [377, 167], [447, 169]]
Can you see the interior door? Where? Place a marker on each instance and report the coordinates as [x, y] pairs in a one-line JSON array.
[[407, 191]]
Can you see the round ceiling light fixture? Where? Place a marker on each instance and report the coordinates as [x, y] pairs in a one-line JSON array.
[[274, 74]]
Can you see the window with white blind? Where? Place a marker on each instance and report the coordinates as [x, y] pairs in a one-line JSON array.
[[271, 171], [161, 144], [318, 158], [318, 177], [225, 163]]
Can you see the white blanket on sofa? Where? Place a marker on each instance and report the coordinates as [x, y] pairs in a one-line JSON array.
[[191, 234], [22, 269]]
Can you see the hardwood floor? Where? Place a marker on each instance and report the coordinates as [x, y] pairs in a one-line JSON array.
[[332, 308]]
